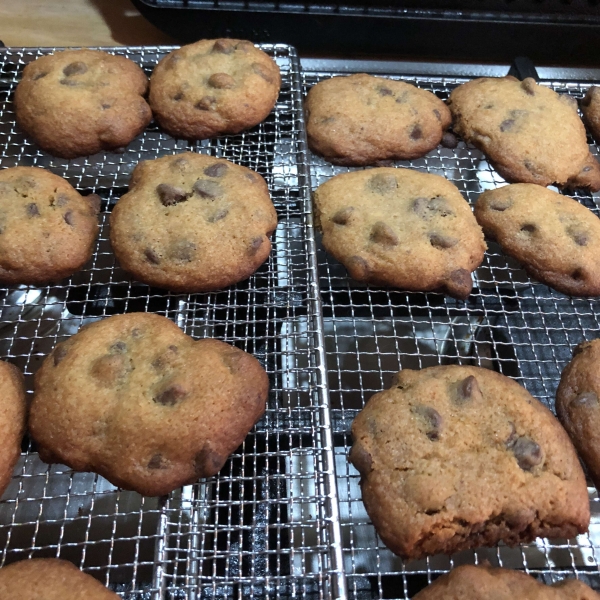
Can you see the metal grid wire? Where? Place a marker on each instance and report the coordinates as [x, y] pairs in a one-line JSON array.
[[509, 323], [265, 526]]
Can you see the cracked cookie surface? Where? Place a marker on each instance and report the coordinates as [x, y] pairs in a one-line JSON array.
[[213, 87], [193, 223], [400, 228], [136, 400], [79, 102], [530, 133], [556, 238], [456, 457], [361, 120], [47, 229]]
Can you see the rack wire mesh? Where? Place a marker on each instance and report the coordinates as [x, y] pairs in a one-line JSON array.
[[510, 323], [266, 525]]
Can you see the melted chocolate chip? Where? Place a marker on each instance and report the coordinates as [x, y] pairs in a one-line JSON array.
[[527, 452], [32, 210], [382, 233], [170, 195], [119, 348], [218, 215], [95, 203], [184, 251], [207, 189], [75, 68], [467, 389], [110, 369], [61, 200], [385, 91], [232, 358], [579, 236], [217, 170], [171, 396], [578, 275], [442, 241], [416, 133], [178, 96], [361, 459], [156, 462], [152, 256], [459, 282], [507, 125], [59, 353], [382, 183], [208, 462], [500, 204], [449, 140], [254, 245], [206, 103], [105, 106], [586, 399], [221, 81], [342, 216], [223, 47], [528, 228], [358, 267], [263, 72], [432, 420], [435, 207], [437, 114], [39, 75], [68, 217]]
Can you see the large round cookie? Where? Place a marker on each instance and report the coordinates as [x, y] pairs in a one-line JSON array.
[[193, 223], [136, 400], [213, 87], [400, 228], [483, 582], [578, 404], [590, 107], [12, 421], [79, 102], [529, 132], [362, 120], [47, 229], [50, 579], [457, 457], [556, 238]]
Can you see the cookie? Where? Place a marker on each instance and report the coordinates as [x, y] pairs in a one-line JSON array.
[[50, 579], [483, 582], [12, 421], [457, 457], [213, 87], [400, 228], [578, 404], [193, 223], [556, 238], [79, 102], [590, 108], [149, 408], [363, 120], [47, 229], [529, 132]]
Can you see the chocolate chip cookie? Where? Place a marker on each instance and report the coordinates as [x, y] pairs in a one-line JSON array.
[[136, 400], [590, 107], [50, 579], [400, 228], [556, 238], [530, 133], [457, 457], [47, 229], [79, 102], [213, 87], [578, 404], [12, 421], [362, 120], [193, 223], [483, 582]]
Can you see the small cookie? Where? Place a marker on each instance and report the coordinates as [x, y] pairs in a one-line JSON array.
[[136, 400], [361, 120], [556, 238], [12, 421], [483, 582], [213, 87], [590, 107], [578, 404], [79, 102], [47, 229], [50, 579], [457, 457], [193, 223], [529, 132], [401, 228]]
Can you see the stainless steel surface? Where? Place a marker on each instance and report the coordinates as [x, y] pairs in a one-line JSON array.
[[510, 323]]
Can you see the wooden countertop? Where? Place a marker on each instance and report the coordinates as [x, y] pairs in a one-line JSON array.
[[76, 23]]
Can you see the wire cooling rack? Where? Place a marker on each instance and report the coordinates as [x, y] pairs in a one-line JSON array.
[[267, 525], [509, 323]]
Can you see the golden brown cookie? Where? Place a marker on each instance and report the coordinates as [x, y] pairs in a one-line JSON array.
[[578, 404], [556, 238], [213, 87], [136, 400], [79, 102], [12, 421], [483, 582], [362, 120], [47, 229], [50, 579], [193, 223], [401, 228], [529, 132], [457, 457], [590, 107]]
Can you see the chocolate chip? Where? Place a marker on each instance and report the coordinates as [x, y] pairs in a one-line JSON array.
[[178, 96], [105, 106], [579, 236], [459, 282], [171, 396], [428, 208], [75, 68], [385, 91], [507, 124], [263, 72], [529, 86], [170, 195], [529, 166], [342, 216], [527, 452], [136, 333], [32, 210], [94, 201], [437, 114], [207, 189], [68, 217], [500, 204], [586, 169], [59, 353], [449, 140], [358, 267], [184, 251], [528, 228], [361, 459], [586, 399], [206, 103], [110, 369], [151, 256], [512, 436], [218, 215], [578, 274], [232, 358], [254, 245], [467, 389], [432, 420], [416, 133], [119, 348], [442, 241], [165, 358], [39, 75], [217, 170], [208, 462], [382, 183], [382, 233], [156, 462], [223, 47], [221, 81]]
